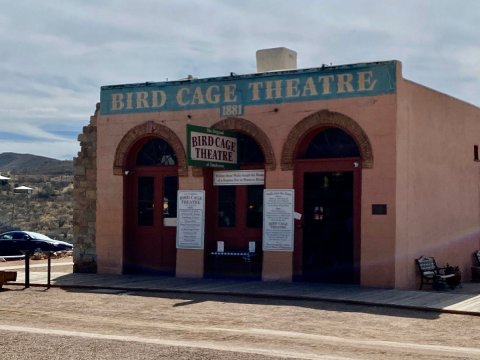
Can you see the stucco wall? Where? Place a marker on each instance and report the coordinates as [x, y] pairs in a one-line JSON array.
[[375, 115], [378, 187], [422, 170], [437, 192]]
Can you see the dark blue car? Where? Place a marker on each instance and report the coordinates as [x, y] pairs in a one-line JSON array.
[[13, 243]]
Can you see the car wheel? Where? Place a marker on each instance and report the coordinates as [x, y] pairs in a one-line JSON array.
[[38, 254]]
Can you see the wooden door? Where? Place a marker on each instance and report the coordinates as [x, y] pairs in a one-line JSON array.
[[327, 243], [150, 245], [234, 216]]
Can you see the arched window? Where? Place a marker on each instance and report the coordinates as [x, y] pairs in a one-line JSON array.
[[331, 143], [248, 150], [156, 152]]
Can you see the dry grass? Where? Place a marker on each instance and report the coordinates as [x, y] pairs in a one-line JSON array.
[[49, 210]]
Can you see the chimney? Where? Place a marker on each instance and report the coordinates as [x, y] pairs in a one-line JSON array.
[[274, 59]]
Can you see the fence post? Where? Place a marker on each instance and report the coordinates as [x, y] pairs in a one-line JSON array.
[[49, 268], [26, 253]]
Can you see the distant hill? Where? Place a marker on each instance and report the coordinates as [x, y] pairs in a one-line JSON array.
[[33, 164]]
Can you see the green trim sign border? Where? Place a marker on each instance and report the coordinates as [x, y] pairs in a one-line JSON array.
[[207, 147]]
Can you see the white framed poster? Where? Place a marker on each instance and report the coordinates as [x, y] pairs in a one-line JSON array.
[[278, 219], [190, 219], [238, 177]]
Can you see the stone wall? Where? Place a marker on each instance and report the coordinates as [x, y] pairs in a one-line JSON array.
[[85, 199]]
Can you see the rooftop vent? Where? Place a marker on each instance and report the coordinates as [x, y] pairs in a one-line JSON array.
[[274, 59]]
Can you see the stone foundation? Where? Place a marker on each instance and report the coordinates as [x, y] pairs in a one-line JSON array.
[[85, 198]]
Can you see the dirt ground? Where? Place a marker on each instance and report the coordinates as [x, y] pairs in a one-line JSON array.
[[79, 324]]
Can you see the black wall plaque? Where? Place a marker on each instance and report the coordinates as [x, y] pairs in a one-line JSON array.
[[379, 209]]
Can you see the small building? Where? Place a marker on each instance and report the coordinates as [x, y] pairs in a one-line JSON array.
[[4, 185], [23, 190], [4, 180], [340, 174]]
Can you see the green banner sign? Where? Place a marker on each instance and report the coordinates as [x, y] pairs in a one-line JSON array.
[[207, 147]]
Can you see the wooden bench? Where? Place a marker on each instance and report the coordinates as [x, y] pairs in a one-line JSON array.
[[234, 263], [476, 267], [245, 255], [430, 273], [6, 276]]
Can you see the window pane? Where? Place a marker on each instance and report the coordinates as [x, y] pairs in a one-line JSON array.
[[248, 150], [145, 201], [331, 143], [156, 152], [226, 206], [170, 187], [255, 206]]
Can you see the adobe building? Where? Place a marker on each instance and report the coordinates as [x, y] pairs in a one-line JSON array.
[[341, 174]]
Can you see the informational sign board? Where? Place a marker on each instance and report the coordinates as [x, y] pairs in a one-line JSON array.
[[278, 219], [211, 147], [190, 219], [239, 177]]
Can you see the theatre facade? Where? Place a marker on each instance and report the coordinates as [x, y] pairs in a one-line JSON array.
[[338, 174]]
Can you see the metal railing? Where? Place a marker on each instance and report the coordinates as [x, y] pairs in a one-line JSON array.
[[26, 255]]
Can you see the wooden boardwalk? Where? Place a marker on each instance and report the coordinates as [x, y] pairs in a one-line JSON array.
[[463, 300]]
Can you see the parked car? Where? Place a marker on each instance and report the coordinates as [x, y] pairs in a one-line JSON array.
[[15, 242]]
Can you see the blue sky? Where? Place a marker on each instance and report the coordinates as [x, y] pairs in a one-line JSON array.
[[57, 54]]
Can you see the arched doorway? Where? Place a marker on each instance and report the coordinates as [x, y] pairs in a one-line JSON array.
[[327, 185], [235, 217], [151, 185]]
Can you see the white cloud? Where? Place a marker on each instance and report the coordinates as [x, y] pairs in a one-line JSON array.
[[55, 56], [28, 130]]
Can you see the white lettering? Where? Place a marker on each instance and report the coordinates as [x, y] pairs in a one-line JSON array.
[[180, 96], [366, 81], [344, 83], [117, 102]]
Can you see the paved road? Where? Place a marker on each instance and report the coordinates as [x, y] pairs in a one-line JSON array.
[[105, 324]]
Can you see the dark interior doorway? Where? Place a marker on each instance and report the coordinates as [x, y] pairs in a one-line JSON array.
[[327, 181], [328, 234]]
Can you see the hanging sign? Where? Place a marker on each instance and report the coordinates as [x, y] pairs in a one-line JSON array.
[[278, 219], [190, 219], [211, 147], [239, 177]]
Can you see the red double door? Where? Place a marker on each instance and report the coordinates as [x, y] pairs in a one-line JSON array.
[[234, 215], [150, 220]]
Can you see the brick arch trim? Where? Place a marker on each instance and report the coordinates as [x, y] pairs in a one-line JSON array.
[[325, 118], [255, 133], [147, 129]]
